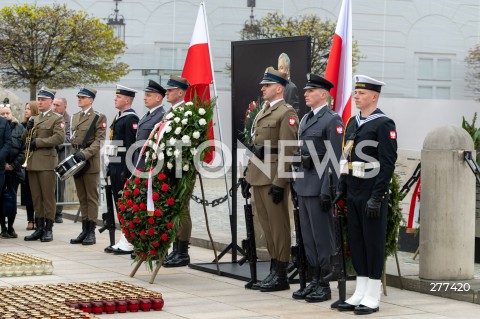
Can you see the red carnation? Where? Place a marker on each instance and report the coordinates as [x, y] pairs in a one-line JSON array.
[[155, 243], [129, 203], [161, 176], [135, 207], [127, 182], [340, 203], [119, 201], [126, 193], [146, 183], [132, 235], [158, 212], [126, 232], [137, 220], [171, 201], [153, 252], [155, 196], [164, 237], [130, 224], [137, 181], [119, 216], [143, 206], [151, 231], [169, 225], [122, 221], [144, 255], [136, 191], [151, 221], [165, 187], [122, 208], [143, 233]]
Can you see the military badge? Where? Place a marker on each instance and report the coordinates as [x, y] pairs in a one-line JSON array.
[[339, 130], [104, 124], [134, 126], [292, 121], [62, 125], [393, 135]]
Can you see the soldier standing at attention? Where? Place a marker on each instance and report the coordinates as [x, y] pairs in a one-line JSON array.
[[60, 107], [320, 126], [368, 161], [276, 123], [48, 132], [122, 132], [88, 132]]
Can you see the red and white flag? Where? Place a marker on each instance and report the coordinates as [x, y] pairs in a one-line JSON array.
[[198, 67], [414, 212], [339, 66]]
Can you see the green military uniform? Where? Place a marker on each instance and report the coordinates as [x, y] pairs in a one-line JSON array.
[[87, 183], [49, 131]]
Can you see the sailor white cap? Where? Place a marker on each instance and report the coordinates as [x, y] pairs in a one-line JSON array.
[[123, 90], [368, 83]]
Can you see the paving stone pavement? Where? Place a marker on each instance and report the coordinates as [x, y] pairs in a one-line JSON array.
[[189, 293]]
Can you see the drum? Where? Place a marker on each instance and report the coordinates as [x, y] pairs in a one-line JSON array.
[[68, 167]]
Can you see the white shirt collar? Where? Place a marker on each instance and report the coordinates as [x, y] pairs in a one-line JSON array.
[[86, 111], [153, 109], [315, 112], [275, 102]]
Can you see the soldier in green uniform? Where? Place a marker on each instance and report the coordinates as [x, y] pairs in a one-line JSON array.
[[87, 148], [48, 132], [276, 123]]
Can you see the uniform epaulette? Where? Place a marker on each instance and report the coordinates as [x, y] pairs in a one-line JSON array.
[[98, 113], [58, 114]]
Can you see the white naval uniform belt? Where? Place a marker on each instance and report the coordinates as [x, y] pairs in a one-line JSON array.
[[371, 165], [357, 168], [113, 150]]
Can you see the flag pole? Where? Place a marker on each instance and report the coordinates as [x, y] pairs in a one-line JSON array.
[[216, 106]]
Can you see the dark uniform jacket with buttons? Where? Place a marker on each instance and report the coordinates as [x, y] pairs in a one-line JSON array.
[[274, 123], [145, 127], [324, 126], [5, 142], [49, 132], [379, 129], [124, 128], [80, 125]]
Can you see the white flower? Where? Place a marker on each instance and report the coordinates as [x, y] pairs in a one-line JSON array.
[[147, 155], [169, 116], [188, 113], [189, 103], [172, 141], [168, 129], [184, 121], [186, 139], [180, 109], [178, 130], [196, 134], [194, 151], [169, 152], [176, 153], [154, 156], [162, 146], [186, 167], [177, 119], [160, 156], [169, 165], [202, 122], [201, 111]]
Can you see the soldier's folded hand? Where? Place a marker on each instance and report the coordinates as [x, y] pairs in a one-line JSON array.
[[373, 207], [245, 188], [277, 193], [79, 157], [325, 202]]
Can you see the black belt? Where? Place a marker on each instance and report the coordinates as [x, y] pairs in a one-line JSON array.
[[260, 151], [79, 146]]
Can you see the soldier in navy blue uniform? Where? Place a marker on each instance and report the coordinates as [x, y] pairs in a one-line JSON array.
[[123, 130], [319, 129], [153, 99], [368, 161]]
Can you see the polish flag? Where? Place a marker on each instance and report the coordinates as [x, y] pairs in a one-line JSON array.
[[339, 66], [198, 67]]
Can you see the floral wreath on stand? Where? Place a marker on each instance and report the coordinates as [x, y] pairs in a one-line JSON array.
[[253, 109], [153, 199]]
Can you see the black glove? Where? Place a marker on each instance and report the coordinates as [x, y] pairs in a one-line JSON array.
[[325, 202], [33, 144], [338, 197], [277, 194], [245, 188], [29, 124], [373, 207], [79, 157]]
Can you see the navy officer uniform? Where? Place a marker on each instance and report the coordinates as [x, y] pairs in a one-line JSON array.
[[123, 132], [366, 173], [320, 126]]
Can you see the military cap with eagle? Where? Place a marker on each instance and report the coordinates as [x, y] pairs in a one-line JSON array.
[[367, 83], [155, 88], [315, 81], [177, 82], [87, 92], [46, 93], [273, 76]]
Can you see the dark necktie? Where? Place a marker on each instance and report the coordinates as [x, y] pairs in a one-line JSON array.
[[309, 116], [148, 113]]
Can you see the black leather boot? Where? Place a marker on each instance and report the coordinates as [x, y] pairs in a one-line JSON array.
[[82, 235], [173, 252], [90, 238], [59, 218], [279, 280], [4, 233], [311, 287], [39, 230], [273, 270], [323, 292], [182, 258], [48, 234]]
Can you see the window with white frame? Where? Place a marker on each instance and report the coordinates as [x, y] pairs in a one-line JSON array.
[[434, 76]]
